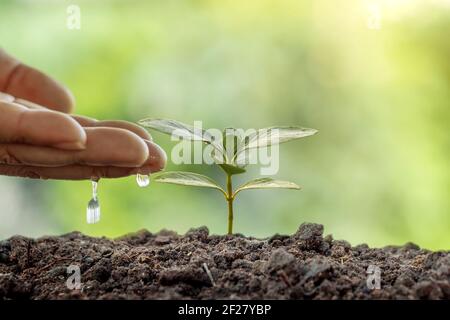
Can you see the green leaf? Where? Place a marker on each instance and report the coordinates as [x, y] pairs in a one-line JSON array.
[[272, 136], [187, 179], [231, 169], [267, 183], [173, 127], [184, 131], [230, 139]]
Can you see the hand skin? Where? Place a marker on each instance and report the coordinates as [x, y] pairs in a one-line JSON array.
[[39, 139]]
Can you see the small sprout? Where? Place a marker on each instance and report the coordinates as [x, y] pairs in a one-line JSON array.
[[232, 155]]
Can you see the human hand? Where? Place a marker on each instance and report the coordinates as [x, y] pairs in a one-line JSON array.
[[38, 139]]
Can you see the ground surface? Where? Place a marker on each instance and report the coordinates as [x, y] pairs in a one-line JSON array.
[[169, 266]]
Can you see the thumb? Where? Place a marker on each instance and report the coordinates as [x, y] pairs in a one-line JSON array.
[[41, 127], [30, 84]]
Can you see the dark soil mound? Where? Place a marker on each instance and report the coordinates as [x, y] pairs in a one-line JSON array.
[[202, 266]]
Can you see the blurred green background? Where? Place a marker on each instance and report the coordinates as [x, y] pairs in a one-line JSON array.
[[377, 172]]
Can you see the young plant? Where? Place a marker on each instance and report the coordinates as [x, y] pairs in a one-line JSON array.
[[232, 157]]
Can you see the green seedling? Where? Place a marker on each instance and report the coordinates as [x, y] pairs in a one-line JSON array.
[[231, 152]]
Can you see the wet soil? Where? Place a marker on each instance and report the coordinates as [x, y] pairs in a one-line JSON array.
[[197, 265]]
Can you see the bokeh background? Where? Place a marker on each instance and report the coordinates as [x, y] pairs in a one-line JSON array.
[[372, 76]]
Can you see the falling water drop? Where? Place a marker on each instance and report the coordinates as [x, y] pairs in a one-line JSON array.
[[93, 208], [142, 180]]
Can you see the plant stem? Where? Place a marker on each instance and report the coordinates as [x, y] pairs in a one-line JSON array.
[[230, 199]]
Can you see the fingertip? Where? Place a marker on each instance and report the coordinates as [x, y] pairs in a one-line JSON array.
[[67, 100], [77, 138], [157, 156], [62, 131], [137, 150], [142, 153], [33, 85], [114, 147], [55, 96]]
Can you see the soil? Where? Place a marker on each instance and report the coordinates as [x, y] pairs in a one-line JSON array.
[[166, 265]]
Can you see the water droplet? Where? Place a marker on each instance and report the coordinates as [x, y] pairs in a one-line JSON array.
[[93, 211], [93, 208], [142, 180]]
